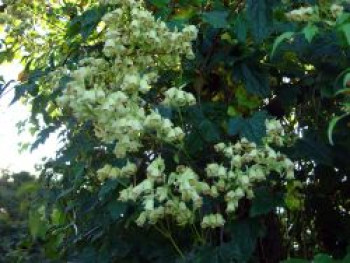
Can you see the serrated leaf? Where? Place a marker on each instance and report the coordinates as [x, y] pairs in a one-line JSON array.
[[217, 19], [255, 82], [86, 23], [258, 14], [254, 129], [235, 125], [279, 40], [310, 32], [240, 28], [43, 136]]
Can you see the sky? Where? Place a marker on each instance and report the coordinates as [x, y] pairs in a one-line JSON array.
[[10, 157]]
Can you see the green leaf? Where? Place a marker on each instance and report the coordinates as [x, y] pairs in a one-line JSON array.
[[22, 90], [241, 249], [86, 23], [343, 18], [209, 131], [89, 20], [254, 129], [346, 30], [332, 125], [346, 80], [279, 40], [255, 82], [108, 187], [240, 28], [232, 111], [265, 201], [235, 125], [57, 217], [310, 32], [217, 19], [310, 148], [117, 209], [258, 12], [43, 136], [194, 143], [37, 225], [183, 15], [164, 111], [342, 91], [294, 199]]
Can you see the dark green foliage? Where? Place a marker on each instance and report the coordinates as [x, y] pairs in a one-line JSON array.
[[265, 202], [217, 19], [252, 128], [17, 192], [255, 82], [86, 23], [259, 13]]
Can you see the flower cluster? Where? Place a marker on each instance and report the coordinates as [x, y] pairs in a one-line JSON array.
[[175, 97], [301, 14], [109, 172], [109, 92], [336, 10], [180, 194], [213, 221], [305, 14]]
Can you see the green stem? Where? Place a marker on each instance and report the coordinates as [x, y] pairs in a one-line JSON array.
[[171, 239], [199, 236]]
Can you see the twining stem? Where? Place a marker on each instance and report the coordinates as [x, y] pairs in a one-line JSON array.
[[199, 236], [168, 235]]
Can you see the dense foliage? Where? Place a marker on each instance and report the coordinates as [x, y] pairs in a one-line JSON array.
[[193, 131], [17, 193]]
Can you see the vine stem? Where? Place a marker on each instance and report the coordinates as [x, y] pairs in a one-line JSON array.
[[199, 236], [171, 239]]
